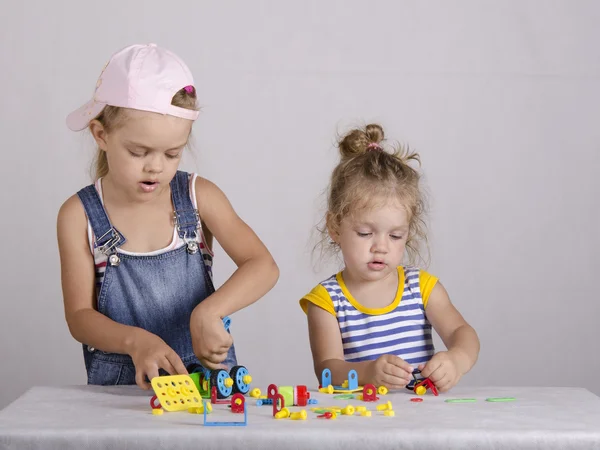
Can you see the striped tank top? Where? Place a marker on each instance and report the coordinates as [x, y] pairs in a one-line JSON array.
[[401, 328]]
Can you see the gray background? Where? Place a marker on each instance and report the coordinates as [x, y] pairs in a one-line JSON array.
[[500, 99]]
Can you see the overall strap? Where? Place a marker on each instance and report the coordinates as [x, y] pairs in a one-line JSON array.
[[106, 237], [185, 216]]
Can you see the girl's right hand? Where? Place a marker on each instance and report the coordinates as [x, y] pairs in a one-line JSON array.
[[150, 353], [390, 371]]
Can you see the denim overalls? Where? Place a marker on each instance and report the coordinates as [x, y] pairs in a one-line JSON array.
[[156, 293]]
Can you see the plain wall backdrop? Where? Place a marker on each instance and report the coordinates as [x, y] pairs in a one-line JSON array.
[[500, 98]]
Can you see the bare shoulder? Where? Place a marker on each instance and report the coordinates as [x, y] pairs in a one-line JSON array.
[[206, 188], [211, 199], [71, 220]]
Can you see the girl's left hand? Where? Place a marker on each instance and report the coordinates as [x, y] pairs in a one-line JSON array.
[[210, 340], [442, 369]]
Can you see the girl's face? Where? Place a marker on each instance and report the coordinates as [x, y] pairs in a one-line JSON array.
[[144, 153], [373, 241]]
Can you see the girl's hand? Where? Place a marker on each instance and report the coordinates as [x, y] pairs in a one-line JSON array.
[[442, 369], [150, 353], [390, 371], [210, 340]]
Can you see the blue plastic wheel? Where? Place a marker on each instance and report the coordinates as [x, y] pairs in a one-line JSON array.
[[237, 374], [217, 379]]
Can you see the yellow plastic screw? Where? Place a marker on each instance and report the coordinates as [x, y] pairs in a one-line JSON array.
[[384, 406], [301, 415], [247, 379], [157, 411], [348, 410], [382, 390], [389, 413], [228, 382], [327, 390], [366, 413], [255, 393], [361, 409], [283, 414]]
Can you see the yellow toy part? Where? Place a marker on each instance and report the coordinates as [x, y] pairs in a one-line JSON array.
[[420, 390], [176, 392]]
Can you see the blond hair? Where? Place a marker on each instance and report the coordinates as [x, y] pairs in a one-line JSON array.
[[366, 172], [113, 117]]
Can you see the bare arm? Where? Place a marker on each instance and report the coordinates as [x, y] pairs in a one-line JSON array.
[[257, 272], [458, 336], [86, 324]]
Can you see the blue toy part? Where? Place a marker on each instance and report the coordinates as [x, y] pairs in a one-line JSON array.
[[264, 401], [226, 322], [312, 401], [217, 378], [226, 424], [237, 374], [352, 380], [325, 378]]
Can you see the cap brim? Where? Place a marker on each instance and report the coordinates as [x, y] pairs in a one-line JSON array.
[[80, 118]]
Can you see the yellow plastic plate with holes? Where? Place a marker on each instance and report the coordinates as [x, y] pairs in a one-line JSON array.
[[176, 392]]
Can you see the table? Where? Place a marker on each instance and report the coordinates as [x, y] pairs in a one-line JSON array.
[[96, 417]]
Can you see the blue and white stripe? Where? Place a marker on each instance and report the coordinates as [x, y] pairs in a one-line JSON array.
[[404, 331]]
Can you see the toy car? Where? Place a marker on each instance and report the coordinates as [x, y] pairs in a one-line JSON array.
[[237, 380], [420, 385]]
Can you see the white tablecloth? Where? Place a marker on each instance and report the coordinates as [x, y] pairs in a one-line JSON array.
[[93, 417]]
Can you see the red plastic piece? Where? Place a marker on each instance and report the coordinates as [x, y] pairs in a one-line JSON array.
[[303, 395], [154, 403], [213, 397], [272, 391], [278, 403], [327, 415], [369, 393], [235, 407], [428, 385], [416, 399]]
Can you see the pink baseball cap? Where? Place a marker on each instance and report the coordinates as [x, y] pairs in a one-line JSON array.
[[144, 77]]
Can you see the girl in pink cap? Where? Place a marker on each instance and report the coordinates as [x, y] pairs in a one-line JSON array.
[[135, 246]]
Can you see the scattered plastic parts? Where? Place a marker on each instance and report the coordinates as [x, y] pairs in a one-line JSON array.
[[348, 410], [369, 393], [283, 413], [348, 386], [238, 403], [382, 390], [226, 424], [500, 399], [200, 409], [301, 415], [385, 406], [154, 403], [255, 393], [325, 415], [416, 400], [460, 400]]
